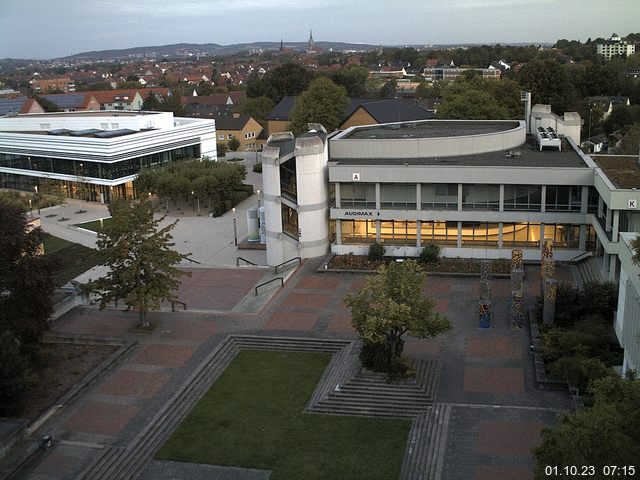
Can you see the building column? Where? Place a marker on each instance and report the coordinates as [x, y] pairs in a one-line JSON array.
[[418, 197], [608, 221], [500, 242], [543, 199], [418, 233], [338, 232], [378, 200], [584, 199], [582, 240], [615, 225], [459, 197], [612, 267], [378, 230], [501, 202], [336, 191], [459, 245]]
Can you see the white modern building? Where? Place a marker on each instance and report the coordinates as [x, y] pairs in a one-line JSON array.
[[101, 151], [615, 46]]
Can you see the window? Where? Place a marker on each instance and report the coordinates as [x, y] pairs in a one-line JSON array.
[[523, 197], [592, 200], [398, 195], [440, 233], [115, 126], [230, 136], [398, 232], [563, 199], [476, 234], [45, 126], [220, 137], [442, 196], [525, 234], [358, 231], [288, 183], [480, 197], [563, 236], [358, 195], [289, 221]]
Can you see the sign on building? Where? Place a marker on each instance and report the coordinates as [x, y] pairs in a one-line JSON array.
[[356, 177]]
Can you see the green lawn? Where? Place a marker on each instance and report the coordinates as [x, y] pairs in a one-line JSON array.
[[253, 417], [94, 225], [70, 259]]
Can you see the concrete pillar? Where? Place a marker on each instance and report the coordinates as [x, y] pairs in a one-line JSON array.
[[418, 197], [608, 221], [543, 199], [484, 313], [584, 199], [613, 262], [459, 197], [378, 196], [615, 225], [338, 232], [500, 237], [378, 231], [517, 309], [549, 302], [337, 194], [582, 241], [418, 233], [459, 242], [501, 202], [271, 197]]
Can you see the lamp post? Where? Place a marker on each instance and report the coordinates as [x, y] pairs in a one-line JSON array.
[[258, 192], [37, 198], [235, 229], [30, 209]]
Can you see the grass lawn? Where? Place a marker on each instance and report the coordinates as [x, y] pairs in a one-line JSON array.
[[94, 225], [253, 417], [70, 259]]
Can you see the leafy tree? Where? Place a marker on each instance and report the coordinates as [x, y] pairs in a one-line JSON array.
[[622, 117], [425, 90], [288, 79], [25, 282], [461, 100], [549, 84], [140, 257], [13, 368], [388, 90], [47, 105], [391, 305], [608, 433], [631, 141], [258, 108], [324, 102], [353, 79], [233, 144], [221, 149], [151, 103]]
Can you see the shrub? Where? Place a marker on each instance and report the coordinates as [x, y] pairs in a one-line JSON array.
[[221, 149], [257, 168], [430, 253], [376, 252], [580, 371], [13, 367], [233, 144]]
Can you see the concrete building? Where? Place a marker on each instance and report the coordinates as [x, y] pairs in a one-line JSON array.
[[96, 155], [45, 85], [240, 126], [615, 46]]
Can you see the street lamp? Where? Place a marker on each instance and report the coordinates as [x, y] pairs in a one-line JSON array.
[[37, 198], [258, 192], [30, 209], [235, 229]]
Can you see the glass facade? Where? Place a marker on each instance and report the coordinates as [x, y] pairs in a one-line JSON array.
[[358, 231], [289, 221], [398, 196], [480, 234], [358, 195], [440, 233], [563, 236], [563, 199], [439, 196], [523, 197], [525, 234], [399, 232], [288, 182], [481, 197]]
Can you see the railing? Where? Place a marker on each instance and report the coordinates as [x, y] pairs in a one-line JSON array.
[[244, 260], [289, 261], [267, 283], [173, 305], [193, 261], [581, 257]]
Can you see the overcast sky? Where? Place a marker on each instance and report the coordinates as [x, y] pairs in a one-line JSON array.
[[55, 28]]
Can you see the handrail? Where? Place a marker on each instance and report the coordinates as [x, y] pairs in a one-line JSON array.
[[268, 282], [290, 260], [173, 305], [244, 260], [582, 256], [193, 261]]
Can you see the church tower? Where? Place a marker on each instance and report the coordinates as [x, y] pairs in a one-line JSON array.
[[311, 46]]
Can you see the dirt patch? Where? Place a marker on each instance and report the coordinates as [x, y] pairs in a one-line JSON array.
[[60, 367]]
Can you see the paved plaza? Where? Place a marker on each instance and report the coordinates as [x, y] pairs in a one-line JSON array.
[[487, 379]]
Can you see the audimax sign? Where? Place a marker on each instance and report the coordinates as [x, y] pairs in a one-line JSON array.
[[361, 213]]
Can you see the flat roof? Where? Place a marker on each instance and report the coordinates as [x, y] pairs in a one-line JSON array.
[[92, 113], [430, 129], [529, 156], [622, 170]]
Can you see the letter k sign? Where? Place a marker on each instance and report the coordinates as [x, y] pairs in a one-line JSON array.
[[632, 204]]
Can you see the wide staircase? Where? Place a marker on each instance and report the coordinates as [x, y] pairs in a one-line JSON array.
[[589, 270]]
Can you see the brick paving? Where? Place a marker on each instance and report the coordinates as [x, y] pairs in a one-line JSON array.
[[487, 375]]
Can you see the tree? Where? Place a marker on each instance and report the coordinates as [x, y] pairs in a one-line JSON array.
[[140, 257], [470, 100], [13, 367], [233, 144], [151, 103], [353, 79], [221, 149], [26, 285], [608, 433], [288, 79], [324, 102], [549, 84], [47, 105], [388, 90], [258, 108], [389, 306]]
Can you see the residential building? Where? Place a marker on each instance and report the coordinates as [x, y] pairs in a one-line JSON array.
[[240, 126], [45, 85], [73, 102], [448, 73], [607, 103], [615, 46], [97, 154], [21, 104], [122, 99]]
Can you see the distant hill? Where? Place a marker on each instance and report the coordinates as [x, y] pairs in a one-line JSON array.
[[194, 49]]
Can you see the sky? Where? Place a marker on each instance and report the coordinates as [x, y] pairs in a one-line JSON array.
[[42, 29]]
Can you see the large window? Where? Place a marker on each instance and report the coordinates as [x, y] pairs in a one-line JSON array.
[[592, 200], [523, 197], [480, 197], [563, 236], [563, 199], [398, 195], [440, 233], [475, 234], [525, 234], [288, 185], [398, 232], [358, 231], [358, 195], [439, 196], [289, 221]]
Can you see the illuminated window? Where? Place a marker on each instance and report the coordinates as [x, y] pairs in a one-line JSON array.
[[289, 221], [440, 233], [398, 232], [358, 231], [476, 234], [526, 234], [563, 236]]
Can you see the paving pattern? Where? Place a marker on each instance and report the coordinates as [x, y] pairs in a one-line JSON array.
[[487, 415]]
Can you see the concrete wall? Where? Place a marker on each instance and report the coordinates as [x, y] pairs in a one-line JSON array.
[[569, 125], [82, 121], [271, 199]]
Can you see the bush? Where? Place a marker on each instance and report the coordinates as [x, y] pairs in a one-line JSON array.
[[257, 168], [376, 252], [580, 371], [13, 367], [233, 144], [221, 149], [430, 253]]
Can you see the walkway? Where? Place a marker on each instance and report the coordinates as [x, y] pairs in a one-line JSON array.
[[494, 413]]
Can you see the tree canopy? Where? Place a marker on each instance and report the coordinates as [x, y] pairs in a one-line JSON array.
[[324, 102], [391, 305], [472, 97], [549, 84], [353, 79], [258, 108], [142, 263], [608, 433], [289, 79]]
